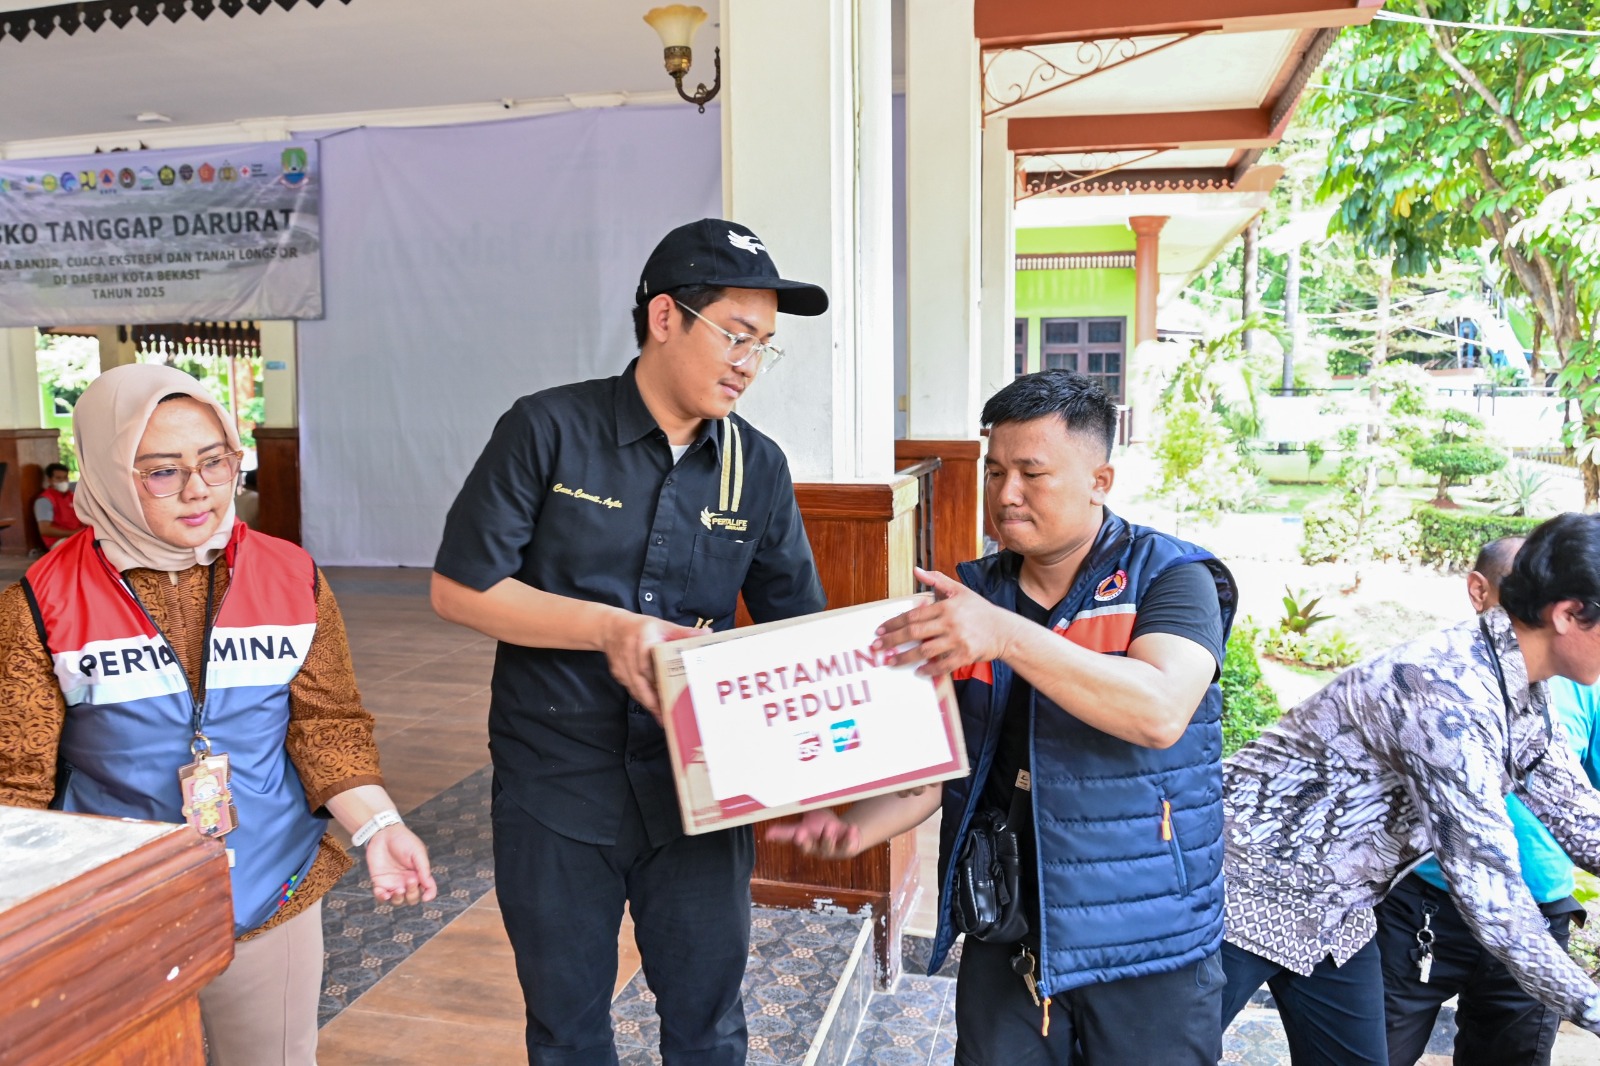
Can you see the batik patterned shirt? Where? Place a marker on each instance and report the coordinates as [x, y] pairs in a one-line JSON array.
[[1409, 752]]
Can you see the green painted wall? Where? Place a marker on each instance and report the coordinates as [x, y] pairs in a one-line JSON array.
[[1073, 293], [1075, 239]]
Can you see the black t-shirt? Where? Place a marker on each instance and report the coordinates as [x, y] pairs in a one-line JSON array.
[[1182, 601], [577, 494]]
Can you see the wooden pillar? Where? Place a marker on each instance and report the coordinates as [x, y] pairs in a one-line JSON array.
[[278, 480], [1146, 273], [25, 452], [862, 537], [278, 435], [106, 938]]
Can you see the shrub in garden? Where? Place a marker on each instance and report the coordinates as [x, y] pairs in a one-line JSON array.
[[1453, 462], [1451, 539], [1347, 529], [1249, 705], [1519, 489]]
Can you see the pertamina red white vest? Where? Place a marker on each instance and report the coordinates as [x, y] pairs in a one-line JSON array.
[[130, 711]]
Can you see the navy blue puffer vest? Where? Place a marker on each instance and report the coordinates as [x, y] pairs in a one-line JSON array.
[[1129, 837]]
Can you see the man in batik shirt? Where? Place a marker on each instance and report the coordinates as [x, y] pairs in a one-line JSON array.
[[1408, 752]]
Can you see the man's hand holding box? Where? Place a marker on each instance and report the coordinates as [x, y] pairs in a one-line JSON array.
[[777, 719]]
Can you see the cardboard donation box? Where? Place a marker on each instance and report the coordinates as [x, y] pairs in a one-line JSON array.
[[775, 719]]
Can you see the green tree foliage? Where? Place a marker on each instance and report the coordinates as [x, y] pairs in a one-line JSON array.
[[1457, 452], [1454, 462], [1201, 470], [1209, 418], [1343, 309], [67, 364], [1217, 375], [1445, 138], [1382, 424]]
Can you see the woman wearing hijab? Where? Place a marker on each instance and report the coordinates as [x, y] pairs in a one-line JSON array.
[[168, 663]]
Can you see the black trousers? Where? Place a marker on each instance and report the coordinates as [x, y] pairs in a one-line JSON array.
[[1498, 1024], [562, 902], [1169, 1019], [1332, 1018]]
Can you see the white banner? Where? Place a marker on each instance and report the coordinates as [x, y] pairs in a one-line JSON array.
[[466, 266], [218, 233]]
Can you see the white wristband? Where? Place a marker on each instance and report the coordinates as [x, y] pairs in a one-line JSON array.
[[381, 820]]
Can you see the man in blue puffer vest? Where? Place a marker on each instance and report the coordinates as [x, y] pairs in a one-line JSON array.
[[1085, 656]]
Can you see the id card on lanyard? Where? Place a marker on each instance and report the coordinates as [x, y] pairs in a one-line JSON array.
[[207, 792], [205, 783]]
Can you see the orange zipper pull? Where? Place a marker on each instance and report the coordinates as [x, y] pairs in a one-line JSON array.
[[1045, 1029], [1166, 820]]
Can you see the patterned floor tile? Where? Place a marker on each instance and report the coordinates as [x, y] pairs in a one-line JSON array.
[[796, 959], [363, 939]]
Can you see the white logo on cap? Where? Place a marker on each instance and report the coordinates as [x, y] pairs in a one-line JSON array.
[[747, 241]]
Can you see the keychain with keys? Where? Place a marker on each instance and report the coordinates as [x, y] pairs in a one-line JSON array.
[[1022, 965], [1425, 947]]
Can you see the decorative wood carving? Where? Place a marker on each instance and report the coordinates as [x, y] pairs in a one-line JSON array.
[[93, 14]]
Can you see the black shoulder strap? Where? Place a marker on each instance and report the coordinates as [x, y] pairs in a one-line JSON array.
[[38, 616]]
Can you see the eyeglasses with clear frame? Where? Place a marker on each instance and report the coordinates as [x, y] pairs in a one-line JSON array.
[[742, 347], [169, 480]]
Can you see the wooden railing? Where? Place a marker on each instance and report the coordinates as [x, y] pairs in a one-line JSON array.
[[925, 514], [950, 494]]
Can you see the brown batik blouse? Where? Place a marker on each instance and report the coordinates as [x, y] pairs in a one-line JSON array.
[[330, 737]]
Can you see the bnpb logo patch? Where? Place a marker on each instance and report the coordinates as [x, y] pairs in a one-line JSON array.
[[1112, 587]]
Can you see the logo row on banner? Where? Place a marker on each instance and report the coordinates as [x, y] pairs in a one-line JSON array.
[[177, 235]]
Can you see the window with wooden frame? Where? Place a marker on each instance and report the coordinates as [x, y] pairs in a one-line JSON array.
[[1093, 347]]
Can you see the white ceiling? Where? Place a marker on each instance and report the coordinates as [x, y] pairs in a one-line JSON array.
[[1238, 71], [369, 55]]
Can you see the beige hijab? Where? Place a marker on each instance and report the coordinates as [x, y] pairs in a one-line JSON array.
[[108, 422]]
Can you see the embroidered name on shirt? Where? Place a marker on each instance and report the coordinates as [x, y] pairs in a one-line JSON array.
[[714, 520], [608, 502]]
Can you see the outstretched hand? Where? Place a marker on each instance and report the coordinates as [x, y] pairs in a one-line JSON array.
[[627, 643], [958, 629], [821, 833]]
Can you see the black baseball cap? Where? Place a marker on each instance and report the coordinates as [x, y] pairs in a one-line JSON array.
[[717, 252]]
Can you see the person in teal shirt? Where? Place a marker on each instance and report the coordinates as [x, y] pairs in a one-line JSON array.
[[1498, 1024]]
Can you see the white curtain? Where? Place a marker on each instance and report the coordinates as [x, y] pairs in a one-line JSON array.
[[464, 267]]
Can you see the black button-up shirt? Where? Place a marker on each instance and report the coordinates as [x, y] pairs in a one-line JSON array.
[[577, 494]]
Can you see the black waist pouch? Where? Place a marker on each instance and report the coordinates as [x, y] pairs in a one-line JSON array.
[[988, 897]]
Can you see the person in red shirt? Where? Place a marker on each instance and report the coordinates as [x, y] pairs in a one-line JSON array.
[[53, 510]]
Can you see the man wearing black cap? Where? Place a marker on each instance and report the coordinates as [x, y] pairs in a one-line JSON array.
[[603, 518]]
